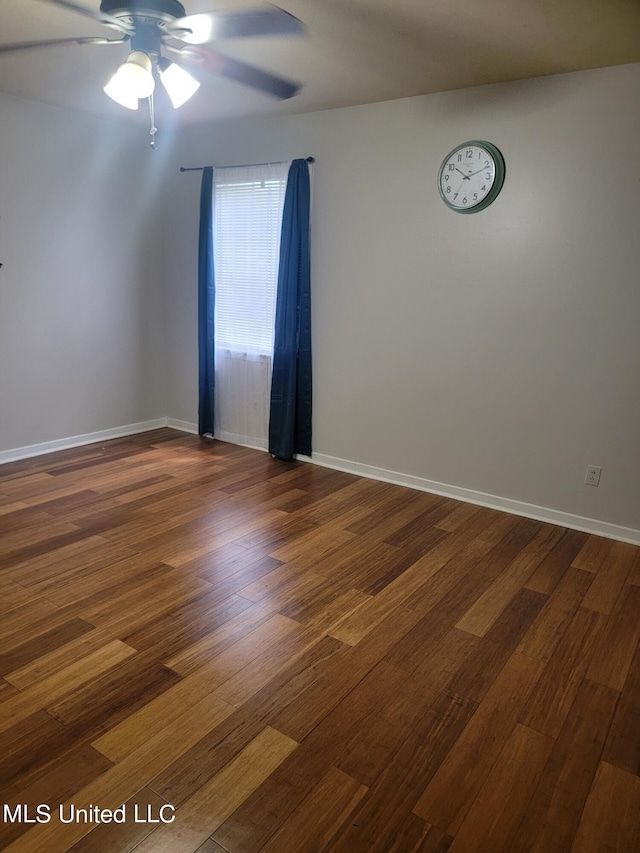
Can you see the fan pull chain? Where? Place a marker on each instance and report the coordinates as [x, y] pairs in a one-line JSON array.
[[152, 119]]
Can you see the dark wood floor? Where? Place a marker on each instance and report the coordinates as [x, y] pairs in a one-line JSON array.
[[298, 659]]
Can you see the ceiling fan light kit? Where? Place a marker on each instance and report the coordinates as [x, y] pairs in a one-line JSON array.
[[178, 83], [153, 25], [132, 81]]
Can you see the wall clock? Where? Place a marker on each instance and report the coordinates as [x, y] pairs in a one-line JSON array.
[[471, 176]]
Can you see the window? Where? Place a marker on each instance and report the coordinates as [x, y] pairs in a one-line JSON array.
[[247, 213], [248, 204]]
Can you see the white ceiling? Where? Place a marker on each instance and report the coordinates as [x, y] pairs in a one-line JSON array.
[[354, 52]]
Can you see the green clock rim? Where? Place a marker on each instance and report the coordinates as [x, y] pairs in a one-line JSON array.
[[500, 168]]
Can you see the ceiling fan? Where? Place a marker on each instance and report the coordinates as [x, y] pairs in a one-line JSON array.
[[158, 27]]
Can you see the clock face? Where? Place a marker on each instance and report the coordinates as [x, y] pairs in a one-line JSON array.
[[471, 176]]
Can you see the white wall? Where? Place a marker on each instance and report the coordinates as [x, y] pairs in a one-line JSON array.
[[498, 352], [80, 287]]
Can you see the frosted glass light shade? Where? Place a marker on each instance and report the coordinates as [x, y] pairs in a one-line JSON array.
[[180, 85], [132, 80], [120, 95]]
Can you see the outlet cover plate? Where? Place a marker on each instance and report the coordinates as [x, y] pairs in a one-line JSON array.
[[592, 476]]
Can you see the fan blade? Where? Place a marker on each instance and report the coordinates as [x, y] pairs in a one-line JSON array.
[[199, 29], [101, 17], [30, 45], [215, 63]]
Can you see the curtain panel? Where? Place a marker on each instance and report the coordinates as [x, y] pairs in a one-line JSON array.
[[206, 307], [290, 411]]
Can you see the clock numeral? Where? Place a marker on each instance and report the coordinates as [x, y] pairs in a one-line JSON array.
[[449, 190], [469, 152], [475, 196], [452, 167], [455, 196], [459, 158], [487, 177], [446, 177], [486, 164]]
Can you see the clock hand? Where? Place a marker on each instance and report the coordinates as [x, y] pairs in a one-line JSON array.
[[476, 172], [464, 177]]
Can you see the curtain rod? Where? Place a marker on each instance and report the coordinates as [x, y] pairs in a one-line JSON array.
[[239, 165]]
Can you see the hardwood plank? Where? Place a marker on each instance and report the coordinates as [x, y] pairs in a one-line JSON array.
[[113, 695], [479, 671], [45, 693], [459, 515], [610, 819], [124, 837], [480, 564], [161, 592], [556, 690], [210, 846], [355, 626], [54, 562], [188, 623], [262, 814], [320, 815], [88, 586], [634, 574], [320, 541], [549, 627], [180, 780], [48, 538], [13, 595], [452, 791], [28, 748], [552, 569], [162, 713], [381, 735], [417, 836], [19, 656], [8, 508], [618, 642], [75, 770], [383, 813], [622, 748], [121, 781], [593, 554], [241, 639], [421, 531], [241, 669], [341, 674], [21, 619], [209, 807], [51, 662], [257, 673], [487, 608], [493, 819], [607, 585], [553, 812], [6, 690]]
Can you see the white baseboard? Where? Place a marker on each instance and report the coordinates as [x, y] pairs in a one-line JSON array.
[[182, 426], [521, 508], [26, 452], [527, 510], [232, 438]]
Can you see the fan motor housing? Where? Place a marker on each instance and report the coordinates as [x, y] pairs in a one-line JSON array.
[[160, 10]]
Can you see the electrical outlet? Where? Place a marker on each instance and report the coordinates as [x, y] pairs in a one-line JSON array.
[[592, 477]]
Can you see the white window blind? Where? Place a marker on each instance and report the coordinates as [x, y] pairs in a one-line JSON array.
[[248, 204]]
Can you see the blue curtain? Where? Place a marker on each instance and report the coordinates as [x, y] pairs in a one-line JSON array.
[[206, 305], [290, 415]]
